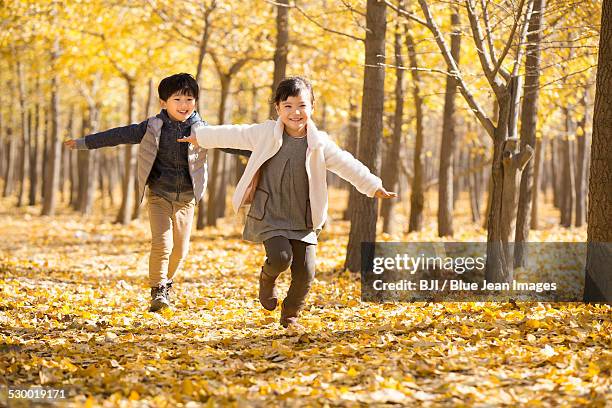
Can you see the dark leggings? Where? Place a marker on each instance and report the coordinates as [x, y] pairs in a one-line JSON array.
[[282, 253]]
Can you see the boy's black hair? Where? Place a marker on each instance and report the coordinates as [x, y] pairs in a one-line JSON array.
[[292, 86], [183, 84]]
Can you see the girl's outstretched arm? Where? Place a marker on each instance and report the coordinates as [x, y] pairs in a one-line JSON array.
[[352, 170], [242, 137]]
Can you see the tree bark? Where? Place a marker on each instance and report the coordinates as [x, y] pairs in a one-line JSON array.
[[34, 156], [508, 163], [567, 171], [555, 179], [352, 146], [203, 49], [25, 134], [220, 205], [46, 137], [127, 202], [9, 170], [55, 146], [529, 123], [214, 181], [535, 197], [598, 279], [448, 145], [282, 47], [390, 168], [363, 218], [582, 145], [2, 134], [88, 163], [417, 198], [474, 181]]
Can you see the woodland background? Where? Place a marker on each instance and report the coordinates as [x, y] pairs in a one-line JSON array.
[[484, 115]]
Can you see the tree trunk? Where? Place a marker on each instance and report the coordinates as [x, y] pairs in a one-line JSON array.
[[598, 279], [582, 146], [9, 172], [127, 202], [474, 186], [363, 218], [567, 171], [554, 172], [25, 134], [55, 145], [11, 147], [529, 122], [66, 170], [390, 168], [448, 145], [351, 147], [417, 199], [282, 47], [508, 163], [215, 180], [2, 141], [537, 170], [222, 187], [46, 137], [146, 114], [88, 163], [34, 156]]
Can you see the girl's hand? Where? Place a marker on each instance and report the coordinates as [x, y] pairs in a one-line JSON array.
[[190, 139], [71, 144], [382, 193]]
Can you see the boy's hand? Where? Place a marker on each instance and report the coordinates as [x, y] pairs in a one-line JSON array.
[[71, 144], [382, 193], [190, 139]]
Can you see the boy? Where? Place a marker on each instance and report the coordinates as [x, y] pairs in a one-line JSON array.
[[174, 172]]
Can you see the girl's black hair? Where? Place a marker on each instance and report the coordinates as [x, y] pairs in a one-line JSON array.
[[292, 86], [183, 84]]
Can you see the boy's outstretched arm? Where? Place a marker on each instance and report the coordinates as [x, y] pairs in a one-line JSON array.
[[131, 134]]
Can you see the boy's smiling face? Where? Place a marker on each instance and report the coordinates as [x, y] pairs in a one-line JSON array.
[[179, 107]]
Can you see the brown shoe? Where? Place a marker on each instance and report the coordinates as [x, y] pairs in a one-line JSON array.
[[267, 291], [288, 316]]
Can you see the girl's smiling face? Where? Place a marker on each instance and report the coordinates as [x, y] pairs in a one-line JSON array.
[[294, 112]]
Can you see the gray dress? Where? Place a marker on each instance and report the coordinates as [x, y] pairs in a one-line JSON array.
[[281, 205]]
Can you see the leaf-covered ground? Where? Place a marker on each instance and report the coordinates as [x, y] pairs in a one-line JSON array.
[[73, 315]]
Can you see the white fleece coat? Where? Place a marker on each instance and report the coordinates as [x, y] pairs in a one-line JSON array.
[[265, 139]]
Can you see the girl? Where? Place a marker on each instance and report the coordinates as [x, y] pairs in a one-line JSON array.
[[285, 183]]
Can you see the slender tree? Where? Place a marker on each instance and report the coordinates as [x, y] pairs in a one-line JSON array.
[[389, 173], [55, 147], [417, 196], [508, 160], [529, 122], [448, 146], [282, 47], [363, 217], [598, 280], [582, 149]]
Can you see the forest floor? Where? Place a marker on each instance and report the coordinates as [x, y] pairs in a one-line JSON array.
[[73, 316]]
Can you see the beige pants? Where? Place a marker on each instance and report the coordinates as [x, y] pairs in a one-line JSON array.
[[170, 231]]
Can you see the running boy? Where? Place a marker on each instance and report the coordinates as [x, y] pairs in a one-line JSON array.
[[175, 173]]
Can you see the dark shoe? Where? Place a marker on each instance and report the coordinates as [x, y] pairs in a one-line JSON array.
[[288, 316], [267, 291], [160, 297]]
